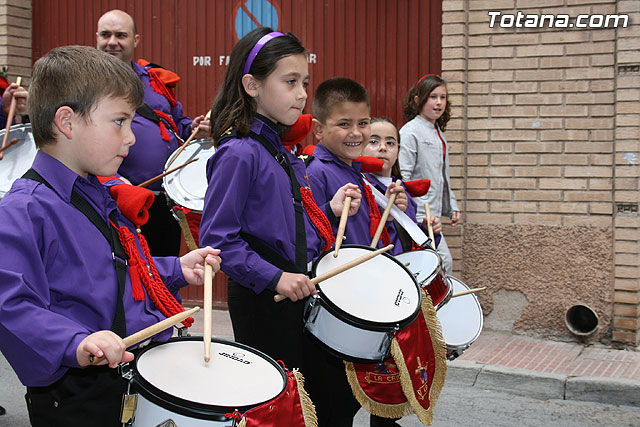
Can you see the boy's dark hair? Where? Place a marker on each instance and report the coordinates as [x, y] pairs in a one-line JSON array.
[[233, 107], [422, 90], [78, 77], [335, 91], [395, 169]]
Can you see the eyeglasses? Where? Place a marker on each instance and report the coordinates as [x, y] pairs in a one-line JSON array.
[[374, 142]]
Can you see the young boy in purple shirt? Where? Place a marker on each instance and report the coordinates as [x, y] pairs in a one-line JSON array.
[[61, 297], [342, 124]]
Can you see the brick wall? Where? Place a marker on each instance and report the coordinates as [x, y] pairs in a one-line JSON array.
[[15, 38], [545, 133]]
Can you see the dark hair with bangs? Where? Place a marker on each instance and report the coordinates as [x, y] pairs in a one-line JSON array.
[[77, 77], [395, 169], [422, 90], [336, 91], [233, 107]]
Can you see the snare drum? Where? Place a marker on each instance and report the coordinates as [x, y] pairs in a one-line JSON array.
[[355, 314], [188, 185], [174, 384], [426, 266], [461, 320], [18, 158]]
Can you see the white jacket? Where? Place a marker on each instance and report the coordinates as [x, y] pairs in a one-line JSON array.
[[421, 157]]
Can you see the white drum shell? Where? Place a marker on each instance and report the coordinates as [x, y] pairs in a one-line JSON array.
[[173, 381], [357, 312], [187, 186], [18, 158], [461, 320]]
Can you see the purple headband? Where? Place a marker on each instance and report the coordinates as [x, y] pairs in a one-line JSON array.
[[254, 52]]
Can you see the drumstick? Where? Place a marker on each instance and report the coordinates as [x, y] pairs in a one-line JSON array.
[[12, 112], [155, 178], [183, 146], [468, 291], [150, 331], [208, 306], [342, 225], [13, 141], [383, 218], [340, 269], [429, 227]]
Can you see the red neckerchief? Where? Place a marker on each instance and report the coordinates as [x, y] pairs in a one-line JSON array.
[[160, 87]]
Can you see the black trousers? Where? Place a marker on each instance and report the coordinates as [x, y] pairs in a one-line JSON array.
[[162, 231], [90, 396], [327, 385], [275, 328]]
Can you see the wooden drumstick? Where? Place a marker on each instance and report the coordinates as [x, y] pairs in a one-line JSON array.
[[13, 141], [183, 146], [344, 267], [342, 225], [383, 218], [155, 178], [468, 291], [150, 331], [208, 306], [429, 226], [12, 112]]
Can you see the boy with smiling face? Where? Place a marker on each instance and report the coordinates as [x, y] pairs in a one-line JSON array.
[[342, 125], [66, 289]]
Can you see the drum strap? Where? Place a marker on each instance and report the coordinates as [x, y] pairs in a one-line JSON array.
[[301, 235], [120, 258], [158, 116]]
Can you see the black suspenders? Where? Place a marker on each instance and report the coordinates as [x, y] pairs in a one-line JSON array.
[[117, 251]]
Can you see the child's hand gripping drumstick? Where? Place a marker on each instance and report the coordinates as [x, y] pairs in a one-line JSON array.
[[147, 333], [208, 306], [12, 112], [342, 225], [340, 269], [385, 215], [429, 227]]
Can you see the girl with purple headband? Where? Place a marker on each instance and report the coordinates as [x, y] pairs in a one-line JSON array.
[[258, 205]]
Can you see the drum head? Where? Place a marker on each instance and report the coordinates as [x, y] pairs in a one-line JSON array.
[[18, 158], [188, 185], [236, 376], [460, 317], [380, 290], [423, 264]]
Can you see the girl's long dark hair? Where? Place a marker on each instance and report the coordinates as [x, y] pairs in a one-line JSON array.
[[422, 90], [233, 107]]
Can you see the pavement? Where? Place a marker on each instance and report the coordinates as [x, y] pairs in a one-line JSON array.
[[527, 366]]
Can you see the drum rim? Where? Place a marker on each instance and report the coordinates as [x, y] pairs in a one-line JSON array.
[[357, 321], [188, 407], [432, 275], [345, 356], [465, 346], [169, 190]]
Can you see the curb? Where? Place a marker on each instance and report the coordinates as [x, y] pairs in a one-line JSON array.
[[542, 385]]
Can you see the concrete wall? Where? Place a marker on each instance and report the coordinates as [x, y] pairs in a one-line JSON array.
[[544, 154]]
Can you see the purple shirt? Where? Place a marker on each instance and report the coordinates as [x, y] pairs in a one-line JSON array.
[[250, 192], [150, 153], [57, 276], [327, 174]]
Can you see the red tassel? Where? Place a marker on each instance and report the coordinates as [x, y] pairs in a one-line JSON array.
[[318, 218], [374, 215], [150, 278], [163, 132]]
